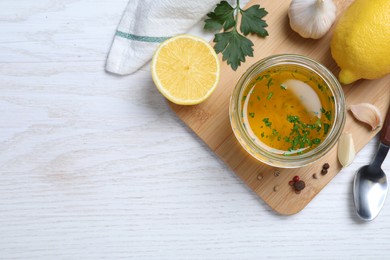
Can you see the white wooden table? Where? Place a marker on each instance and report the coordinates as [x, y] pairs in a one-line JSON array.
[[97, 166]]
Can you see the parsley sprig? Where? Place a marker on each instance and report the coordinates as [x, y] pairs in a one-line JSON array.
[[232, 42]]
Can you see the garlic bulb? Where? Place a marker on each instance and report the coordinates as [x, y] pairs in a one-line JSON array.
[[346, 149], [311, 18], [367, 113]]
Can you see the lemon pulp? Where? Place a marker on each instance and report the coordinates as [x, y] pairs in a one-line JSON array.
[[185, 69]]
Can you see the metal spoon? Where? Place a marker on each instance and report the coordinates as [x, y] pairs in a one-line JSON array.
[[370, 183]]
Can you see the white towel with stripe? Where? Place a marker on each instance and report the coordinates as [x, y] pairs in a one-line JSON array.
[[146, 23]]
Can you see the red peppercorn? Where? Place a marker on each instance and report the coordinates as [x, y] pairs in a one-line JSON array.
[[291, 183], [295, 179]]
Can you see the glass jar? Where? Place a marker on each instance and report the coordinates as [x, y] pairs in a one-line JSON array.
[[295, 63]]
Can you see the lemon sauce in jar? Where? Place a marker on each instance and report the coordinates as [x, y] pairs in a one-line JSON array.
[[287, 111]]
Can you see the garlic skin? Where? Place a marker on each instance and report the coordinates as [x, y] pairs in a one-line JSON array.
[[367, 113], [346, 149], [311, 18]]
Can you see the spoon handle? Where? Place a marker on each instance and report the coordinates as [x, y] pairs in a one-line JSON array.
[[385, 132]]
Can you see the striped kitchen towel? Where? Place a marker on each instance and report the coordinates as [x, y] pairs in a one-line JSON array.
[[146, 23]]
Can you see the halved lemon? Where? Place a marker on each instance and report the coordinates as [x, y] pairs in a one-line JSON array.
[[185, 69]]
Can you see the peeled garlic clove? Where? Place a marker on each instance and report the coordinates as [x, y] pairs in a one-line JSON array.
[[311, 18], [367, 113], [346, 149]]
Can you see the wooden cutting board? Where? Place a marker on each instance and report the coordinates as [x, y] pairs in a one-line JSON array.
[[210, 119]]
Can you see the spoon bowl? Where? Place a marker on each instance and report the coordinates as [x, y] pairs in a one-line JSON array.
[[370, 183], [370, 190]]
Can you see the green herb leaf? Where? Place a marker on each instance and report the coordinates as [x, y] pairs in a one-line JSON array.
[[251, 21], [212, 24], [326, 128], [269, 83], [270, 95], [316, 141], [259, 78], [292, 119], [252, 115], [295, 142], [232, 43], [267, 122], [222, 17], [300, 132], [328, 115], [234, 47]]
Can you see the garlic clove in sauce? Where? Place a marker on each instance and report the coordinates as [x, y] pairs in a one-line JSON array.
[[312, 18], [367, 113], [306, 94]]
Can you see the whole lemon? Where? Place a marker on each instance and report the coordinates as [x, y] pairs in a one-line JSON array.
[[361, 41]]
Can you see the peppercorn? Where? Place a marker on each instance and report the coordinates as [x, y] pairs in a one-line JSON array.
[[325, 166], [295, 179], [299, 185], [324, 171], [315, 176]]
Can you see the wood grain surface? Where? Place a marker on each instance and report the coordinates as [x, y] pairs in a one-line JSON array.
[[94, 166], [210, 120]]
